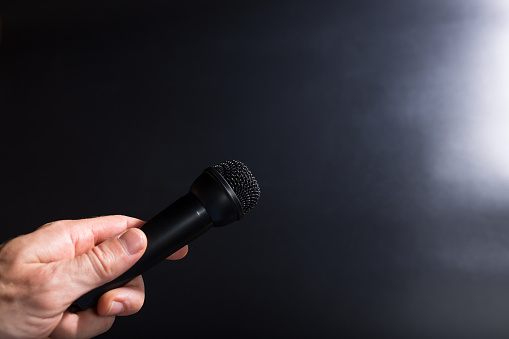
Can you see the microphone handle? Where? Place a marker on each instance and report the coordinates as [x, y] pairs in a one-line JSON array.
[[173, 228]]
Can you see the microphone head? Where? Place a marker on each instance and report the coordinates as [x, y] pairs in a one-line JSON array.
[[227, 191], [242, 181]]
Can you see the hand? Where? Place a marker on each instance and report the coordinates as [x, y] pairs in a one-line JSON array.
[[44, 272]]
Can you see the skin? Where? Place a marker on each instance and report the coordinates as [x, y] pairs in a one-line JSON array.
[[42, 273]]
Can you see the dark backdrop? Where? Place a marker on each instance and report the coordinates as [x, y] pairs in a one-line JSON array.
[[378, 131]]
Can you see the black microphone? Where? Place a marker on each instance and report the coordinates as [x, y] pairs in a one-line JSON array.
[[220, 195]]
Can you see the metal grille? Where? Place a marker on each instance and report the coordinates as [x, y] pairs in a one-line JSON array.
[[242, 182]]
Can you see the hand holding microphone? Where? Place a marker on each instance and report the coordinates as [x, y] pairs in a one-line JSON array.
[[43, 272], [219, 196]]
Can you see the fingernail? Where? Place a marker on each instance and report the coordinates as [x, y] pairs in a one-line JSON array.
[[116, 308], [132, 241]]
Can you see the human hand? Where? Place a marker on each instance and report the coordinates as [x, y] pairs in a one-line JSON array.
[[44, 272]]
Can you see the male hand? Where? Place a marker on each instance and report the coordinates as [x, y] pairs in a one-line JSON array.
[[44, 272]]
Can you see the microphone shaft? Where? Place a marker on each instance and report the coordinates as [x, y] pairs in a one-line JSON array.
[[173, 228]]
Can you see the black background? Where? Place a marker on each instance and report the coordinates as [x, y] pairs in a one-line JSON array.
[[376, 130]]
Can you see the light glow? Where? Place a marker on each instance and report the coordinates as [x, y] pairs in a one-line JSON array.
[[473, 148]]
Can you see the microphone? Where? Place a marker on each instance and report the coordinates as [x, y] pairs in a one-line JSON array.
[[222, 194]]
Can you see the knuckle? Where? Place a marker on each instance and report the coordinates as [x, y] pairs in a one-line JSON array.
[[46, 225], [102, 261], [57, 223], [11, 251]]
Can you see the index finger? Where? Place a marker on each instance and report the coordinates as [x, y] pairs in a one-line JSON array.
[[66, 239], [87, 233]]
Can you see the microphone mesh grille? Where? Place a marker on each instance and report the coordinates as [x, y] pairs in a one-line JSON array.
[[242, 181]]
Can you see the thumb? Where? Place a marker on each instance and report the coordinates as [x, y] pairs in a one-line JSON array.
[[109, 259]]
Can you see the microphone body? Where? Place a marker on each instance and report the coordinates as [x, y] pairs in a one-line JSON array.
[[170, 230], [211, 201]]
